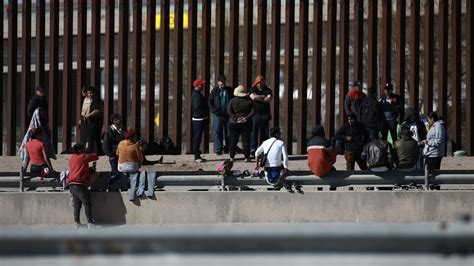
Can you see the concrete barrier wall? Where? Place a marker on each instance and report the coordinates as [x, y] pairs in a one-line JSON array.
[[241, 207]]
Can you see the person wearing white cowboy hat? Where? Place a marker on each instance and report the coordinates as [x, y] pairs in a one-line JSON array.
[[240, 110]]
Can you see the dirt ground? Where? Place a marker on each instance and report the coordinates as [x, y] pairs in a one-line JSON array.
[[186, 163]]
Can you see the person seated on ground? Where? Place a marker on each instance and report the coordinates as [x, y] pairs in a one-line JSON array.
[[130, 158], [354, 135], [79, 179], [418, 129], [37, 154], [321, 154], [378, 155], [275, 162], [406, 150]]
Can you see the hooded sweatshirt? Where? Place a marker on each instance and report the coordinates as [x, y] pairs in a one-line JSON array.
[[321, 155], [353, 98], [436, 140]]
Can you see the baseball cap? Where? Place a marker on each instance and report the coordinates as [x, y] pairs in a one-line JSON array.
[[198, 82]]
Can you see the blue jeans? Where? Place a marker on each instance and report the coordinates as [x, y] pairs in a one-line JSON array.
[[198, 128], [151, 180], [132, 193], [260, 130], [113, 161], [221, 132]]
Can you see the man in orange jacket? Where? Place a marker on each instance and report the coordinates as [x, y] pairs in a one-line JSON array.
[[321, 155]]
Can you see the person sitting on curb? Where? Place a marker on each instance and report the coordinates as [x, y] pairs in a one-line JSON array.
[[130, 158], [378, 155], [406, 151], [79, 179], [276, 169], [37, 155], [354, 135], [321, 154]]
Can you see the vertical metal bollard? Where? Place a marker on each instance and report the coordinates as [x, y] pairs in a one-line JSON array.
[[427, 175], [22, 170]]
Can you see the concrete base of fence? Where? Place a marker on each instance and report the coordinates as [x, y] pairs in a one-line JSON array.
[[241, 207]]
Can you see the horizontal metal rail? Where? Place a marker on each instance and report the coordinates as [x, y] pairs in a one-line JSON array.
[[243, 238], [209, 179]]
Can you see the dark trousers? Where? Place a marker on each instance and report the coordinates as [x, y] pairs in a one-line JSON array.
[[198, 129], [260, 128], [81, 195], [373, 133], [221, 133], [235, 131], [433, 163], [389, 125], [91, 137], [351, 158]]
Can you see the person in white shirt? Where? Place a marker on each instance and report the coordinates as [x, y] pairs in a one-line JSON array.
[[276, 161]]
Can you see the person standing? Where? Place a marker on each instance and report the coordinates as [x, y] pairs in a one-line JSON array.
[[200, 116], [391, 106], [353, 97], [321, 154], [369, 113], [110, 141], [353, 135], [218, 101], [435, 143], [261, 95], [39, 100], [91, 121], [240, 111], [80, 178]]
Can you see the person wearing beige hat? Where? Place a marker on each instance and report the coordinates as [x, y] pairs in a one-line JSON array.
[[261, 95], [240, 110]]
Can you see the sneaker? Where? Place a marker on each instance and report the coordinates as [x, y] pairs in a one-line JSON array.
[[248, 160], [298, 188], [200, 160], [288, 187], [78, 225], [91, 226], [219, 153]]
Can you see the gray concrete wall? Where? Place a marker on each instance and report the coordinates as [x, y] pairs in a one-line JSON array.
[[241, 207]]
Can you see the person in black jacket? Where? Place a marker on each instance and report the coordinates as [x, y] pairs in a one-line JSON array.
[[369, 112], [218, 102], [110, 141], [200, 115], [39, 100], [354, 135], [91, 121]]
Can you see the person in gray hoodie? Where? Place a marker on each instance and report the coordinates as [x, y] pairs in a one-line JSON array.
[[435, 143]]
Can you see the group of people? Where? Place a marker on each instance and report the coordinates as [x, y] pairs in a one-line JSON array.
[[364, 137], [235, 113]]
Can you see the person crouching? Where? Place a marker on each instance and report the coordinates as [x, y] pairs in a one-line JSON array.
[[80, 178], [275, 168]]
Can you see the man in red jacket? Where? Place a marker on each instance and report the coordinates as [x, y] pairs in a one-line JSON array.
[[80, 179]]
